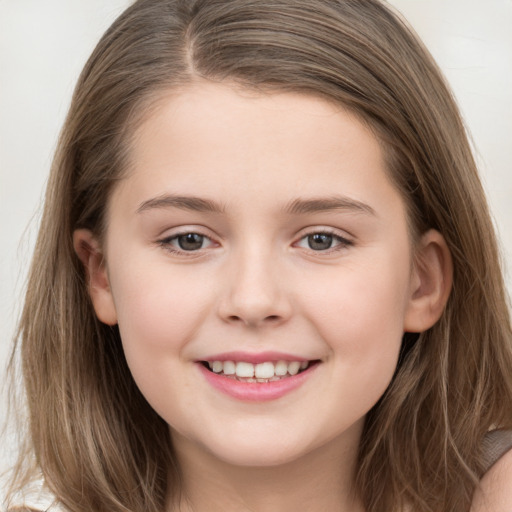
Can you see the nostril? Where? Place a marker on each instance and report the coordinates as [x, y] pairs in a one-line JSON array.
[[268, 319]]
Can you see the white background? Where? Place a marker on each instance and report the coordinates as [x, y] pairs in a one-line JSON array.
[[44, 44]]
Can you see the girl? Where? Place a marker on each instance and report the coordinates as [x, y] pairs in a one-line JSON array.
[[266, 276]]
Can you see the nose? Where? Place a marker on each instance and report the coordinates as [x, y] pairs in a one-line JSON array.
[[255, 292]]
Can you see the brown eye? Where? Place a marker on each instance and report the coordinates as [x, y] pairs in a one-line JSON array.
[[187, 243], [190, 241], [323, 241], [320, 241]]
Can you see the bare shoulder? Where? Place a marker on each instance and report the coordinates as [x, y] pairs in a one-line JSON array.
[[495, 491], [23, 509]]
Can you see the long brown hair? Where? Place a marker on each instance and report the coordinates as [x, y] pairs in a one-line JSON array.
[[98, 443]]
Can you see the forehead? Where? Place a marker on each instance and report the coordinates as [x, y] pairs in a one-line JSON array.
[[231, 144]]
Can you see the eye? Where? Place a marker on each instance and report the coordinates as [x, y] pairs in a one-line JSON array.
[[323, 241], [186, 242]]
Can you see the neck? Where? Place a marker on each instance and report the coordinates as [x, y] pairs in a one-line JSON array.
[[321, 479]]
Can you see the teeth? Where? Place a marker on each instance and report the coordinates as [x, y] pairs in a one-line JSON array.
[[264, 371], [261, 372], [244, 369], [281, 368], [293, 368], [229, 368]]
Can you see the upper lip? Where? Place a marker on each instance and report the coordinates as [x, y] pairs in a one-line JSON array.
[[255, 358]]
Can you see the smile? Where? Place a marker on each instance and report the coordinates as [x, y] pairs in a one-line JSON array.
[[267, 371], [259, 381]]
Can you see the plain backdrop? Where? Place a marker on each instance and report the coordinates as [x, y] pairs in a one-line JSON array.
[[44, 44]]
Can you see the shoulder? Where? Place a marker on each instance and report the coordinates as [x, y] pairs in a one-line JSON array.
[[34, 497], [494, 494], [23, 509]]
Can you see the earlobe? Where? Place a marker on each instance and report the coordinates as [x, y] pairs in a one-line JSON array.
[[89, 252], [431, 282]]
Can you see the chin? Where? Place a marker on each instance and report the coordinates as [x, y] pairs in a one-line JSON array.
[[247, 449], [257, 457]]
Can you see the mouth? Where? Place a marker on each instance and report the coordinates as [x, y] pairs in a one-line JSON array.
[[264, 372]]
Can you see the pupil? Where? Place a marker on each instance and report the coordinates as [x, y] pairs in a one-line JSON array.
[[320, 241], [190, 241]]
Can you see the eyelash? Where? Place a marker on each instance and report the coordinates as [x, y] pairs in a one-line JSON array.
[[342, 242], [166, 243]]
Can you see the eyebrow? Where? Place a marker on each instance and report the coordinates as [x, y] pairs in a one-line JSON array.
[[303, 206], [196, 204], [295, 207]]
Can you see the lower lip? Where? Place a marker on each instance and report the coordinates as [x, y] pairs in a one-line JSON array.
[[256, 391]]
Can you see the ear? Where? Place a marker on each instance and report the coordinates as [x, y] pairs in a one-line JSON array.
[[89, 252], [431, 282]]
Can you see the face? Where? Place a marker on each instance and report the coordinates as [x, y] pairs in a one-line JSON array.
[[258, 262]]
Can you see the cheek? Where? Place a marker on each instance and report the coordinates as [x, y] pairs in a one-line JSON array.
[[361, 321], [148, 293], [158, 311], [359, 314], [157, 316], [149, 320], [360, 305]]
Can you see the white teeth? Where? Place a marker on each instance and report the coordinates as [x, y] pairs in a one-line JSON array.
[[293, 368], [244, 369], [229, 368], [281, 368], [264, 371], [217, 366], [261, 372]]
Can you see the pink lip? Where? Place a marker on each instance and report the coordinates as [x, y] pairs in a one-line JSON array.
[[255, 358], [256, 391]]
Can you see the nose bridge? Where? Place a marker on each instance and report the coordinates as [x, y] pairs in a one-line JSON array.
[[254, 293]]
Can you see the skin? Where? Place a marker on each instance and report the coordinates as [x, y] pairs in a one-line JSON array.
[[494, 493], [256, 284]]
